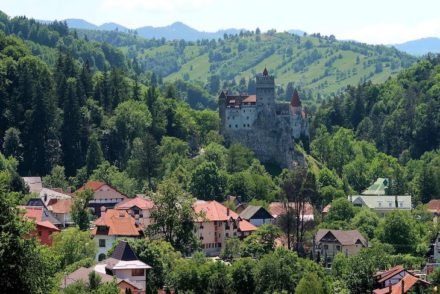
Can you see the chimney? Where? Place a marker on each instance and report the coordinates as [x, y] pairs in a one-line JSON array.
[[227, 211], [103, 209], [390, 287], [403, 286]]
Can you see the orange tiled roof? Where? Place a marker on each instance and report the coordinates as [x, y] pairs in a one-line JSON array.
[[34, 213], [60, 205], [250, 99], [118, 222], [140, 202], [215, 211], [94, 185]]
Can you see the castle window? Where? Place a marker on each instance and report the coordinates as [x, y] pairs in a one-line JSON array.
[[236, 126], [244, 126], [247, 117], [229, 126]]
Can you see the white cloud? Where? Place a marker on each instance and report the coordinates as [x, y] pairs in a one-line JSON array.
[[393, 33], [156, 5]]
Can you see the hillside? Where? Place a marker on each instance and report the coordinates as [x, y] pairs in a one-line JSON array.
[[317, 63]]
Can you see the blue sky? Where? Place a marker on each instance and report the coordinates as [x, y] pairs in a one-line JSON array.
[[373, 21]]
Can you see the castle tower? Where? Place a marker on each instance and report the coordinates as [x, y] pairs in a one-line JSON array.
[[295, 104], [222, 110], [265, 90]]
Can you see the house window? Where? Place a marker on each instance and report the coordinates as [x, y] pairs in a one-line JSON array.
[[101, 242], [326, 247], [401, 204], [227, 234], [137, 272], [390, 204], [338, 247]]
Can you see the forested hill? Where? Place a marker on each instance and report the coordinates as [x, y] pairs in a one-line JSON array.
[[401, 116], [318, 63]]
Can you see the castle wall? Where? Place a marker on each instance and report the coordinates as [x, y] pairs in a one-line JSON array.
[[240, 118]]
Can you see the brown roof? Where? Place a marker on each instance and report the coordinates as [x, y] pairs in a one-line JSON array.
[[82, 274], [94, 185], [277, 208], [250, 99], [60, 205], [433, 206], [385, 275], [348, 237], [118, 222]]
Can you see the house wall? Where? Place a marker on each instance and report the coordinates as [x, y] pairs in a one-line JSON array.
[[108, 243], [64, 218], [214, 235], [125, 274], [260, 221], [44, 235], [123, 286], [437, 249], [330, 249]]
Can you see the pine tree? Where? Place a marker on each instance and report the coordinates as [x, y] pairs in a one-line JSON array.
[[12, 144], [94, 154], [71, 129]]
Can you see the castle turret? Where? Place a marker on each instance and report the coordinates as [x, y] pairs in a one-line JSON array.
[[265, 90], [295, 104]]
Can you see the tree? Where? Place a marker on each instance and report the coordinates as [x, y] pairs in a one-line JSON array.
[[297, 191], [239, 158], [94, 281], [56, 178], [27, 267], [340, 210], [94, 155], [399, 229], [242, 278], [71, 128], [144, 159], [12, 144], [261, 242], [208, 182], [309, 284], [366, 221], [73, 245], [80, 213], [173, 216]]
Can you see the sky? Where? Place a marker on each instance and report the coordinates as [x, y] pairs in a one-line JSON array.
[[372, 21]]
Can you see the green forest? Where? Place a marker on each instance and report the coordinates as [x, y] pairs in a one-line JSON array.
[[141, 115]]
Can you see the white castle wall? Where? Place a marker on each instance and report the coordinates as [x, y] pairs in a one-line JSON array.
[[240, 118]]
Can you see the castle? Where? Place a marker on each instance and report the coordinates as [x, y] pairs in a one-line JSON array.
[[259, 123]]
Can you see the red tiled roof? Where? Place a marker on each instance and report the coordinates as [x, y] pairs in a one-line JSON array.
[[215, 211], [433, 206], [409, 281], [140, 202], [385, 275], [34, 213], [118, 222], [295, 102], [94, 185], [277, 208], [60, 205], [250, 99], [47, 224]]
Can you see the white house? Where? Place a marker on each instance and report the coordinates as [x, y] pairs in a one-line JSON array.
[[111, 225]]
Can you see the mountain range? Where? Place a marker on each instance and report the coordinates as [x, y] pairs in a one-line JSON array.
[[179, 30]]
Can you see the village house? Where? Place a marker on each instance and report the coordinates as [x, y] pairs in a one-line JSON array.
[[61, 209], [104, 195], [256, 215], [433, 207], [139, 207], [279, 208], [48, 195], [215, 223], [111, 225], [45, 223], [34, 184], [328, 243], [124, 266], [398, 280], [375, 198]]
